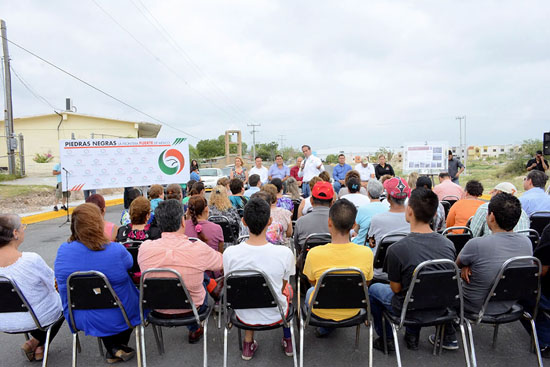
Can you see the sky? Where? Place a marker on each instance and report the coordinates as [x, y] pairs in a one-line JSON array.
[[325, 73]]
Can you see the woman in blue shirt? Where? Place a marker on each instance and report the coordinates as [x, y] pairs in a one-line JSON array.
[[89, 249]]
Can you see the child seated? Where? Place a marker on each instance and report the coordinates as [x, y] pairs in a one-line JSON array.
[[156, 194], [277, 262]]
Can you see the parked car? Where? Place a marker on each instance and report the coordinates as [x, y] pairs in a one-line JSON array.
[[210, 177]]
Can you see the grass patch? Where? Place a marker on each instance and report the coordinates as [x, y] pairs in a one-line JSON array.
[[7, 177], [10, 191]]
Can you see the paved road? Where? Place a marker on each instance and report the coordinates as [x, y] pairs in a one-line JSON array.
[[336, 350]]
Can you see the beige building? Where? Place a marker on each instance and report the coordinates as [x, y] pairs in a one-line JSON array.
[[43, 132]]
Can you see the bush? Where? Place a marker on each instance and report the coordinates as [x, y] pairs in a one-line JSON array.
[[516, 165], [42, 158]]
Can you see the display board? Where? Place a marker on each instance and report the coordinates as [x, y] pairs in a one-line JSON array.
[[108, 163], [427, 158]]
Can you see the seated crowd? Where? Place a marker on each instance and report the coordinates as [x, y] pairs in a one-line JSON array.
[[359, 209]]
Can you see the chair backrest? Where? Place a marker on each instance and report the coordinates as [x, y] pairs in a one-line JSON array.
[[382, 247], [458, 239], [532, 235], [340, 288], [193, 239], [242, 238], [295, 211], [435, 285], [446, 206], [517, 279], [164, 289], [316, 239], [250, 288], [241, 212], [539, 220], [91, 290], [13, 300], [133, 250], [229, 235]]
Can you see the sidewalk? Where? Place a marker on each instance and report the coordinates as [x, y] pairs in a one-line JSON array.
[[33, 180]]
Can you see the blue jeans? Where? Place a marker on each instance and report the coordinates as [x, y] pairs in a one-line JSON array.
[[305, 189], [337, 186], [542, 323], [309, 293], [380, 296]]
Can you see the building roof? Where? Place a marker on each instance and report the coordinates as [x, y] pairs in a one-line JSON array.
[[145, 129]]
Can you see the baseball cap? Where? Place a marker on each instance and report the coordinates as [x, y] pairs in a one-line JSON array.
[[365, 160], [506, 187], [323, 190], [397, 188]]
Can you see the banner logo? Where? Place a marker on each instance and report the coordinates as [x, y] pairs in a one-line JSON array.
[[171, 162]]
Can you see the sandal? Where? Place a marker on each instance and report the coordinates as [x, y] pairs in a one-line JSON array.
[[28, 350], [39, 353]]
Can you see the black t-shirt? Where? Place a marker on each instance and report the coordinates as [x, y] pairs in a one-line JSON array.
[[404, 255], [380, 171], [539, 164], [542, 252]]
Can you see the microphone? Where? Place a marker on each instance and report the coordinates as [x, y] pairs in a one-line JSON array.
[[63, 168]]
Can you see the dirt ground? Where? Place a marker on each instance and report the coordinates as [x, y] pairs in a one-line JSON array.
[[35, 198]]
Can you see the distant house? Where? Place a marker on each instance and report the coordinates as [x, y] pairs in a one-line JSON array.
[[43, 132]]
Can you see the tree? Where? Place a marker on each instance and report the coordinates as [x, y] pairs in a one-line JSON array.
[[331, 158], [193, 152], [290, 153], [267, 151], [386, 152], [516, 166], [210, 148]]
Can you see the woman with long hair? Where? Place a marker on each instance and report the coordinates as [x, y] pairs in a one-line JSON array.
[[197, 224], [110, 229], [293, 189], [282, 201], [36, 281], [219, 204], [88, 248], [138, 229], [239, 171]]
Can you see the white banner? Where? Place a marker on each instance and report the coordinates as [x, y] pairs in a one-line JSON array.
[[107, 163], [430, 157]]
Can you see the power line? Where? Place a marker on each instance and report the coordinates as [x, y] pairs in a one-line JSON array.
[[98, 89], [157, 58], [31, 91], [187, 58], [253, 132]]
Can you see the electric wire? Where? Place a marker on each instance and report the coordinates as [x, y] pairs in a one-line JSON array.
[[31, 90]]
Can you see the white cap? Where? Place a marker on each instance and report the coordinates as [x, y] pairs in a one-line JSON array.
[[506, 187]]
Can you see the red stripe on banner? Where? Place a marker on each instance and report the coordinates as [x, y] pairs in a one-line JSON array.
[[77, 187], [120, 146]]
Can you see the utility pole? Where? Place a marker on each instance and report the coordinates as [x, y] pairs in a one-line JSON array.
[[253, 132], [8, 112], [464, 153], [282, 140]]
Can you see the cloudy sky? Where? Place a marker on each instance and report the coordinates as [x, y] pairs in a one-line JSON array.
[[327, 73]]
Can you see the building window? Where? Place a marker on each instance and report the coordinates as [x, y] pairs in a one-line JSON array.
[[484, 150]]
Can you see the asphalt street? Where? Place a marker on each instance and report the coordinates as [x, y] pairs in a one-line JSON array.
[[336, 350]]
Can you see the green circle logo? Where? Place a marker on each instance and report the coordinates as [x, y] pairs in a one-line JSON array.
[[171, 162]]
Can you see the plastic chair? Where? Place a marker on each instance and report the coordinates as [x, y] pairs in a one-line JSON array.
[[533, 236], [13, 300], [458, 239], [446, 206], [91, 290], [435, 285], [252, 289], [168, 293], [133, 249], [339, 288], [228, 229], [539, 220], [517, 279]]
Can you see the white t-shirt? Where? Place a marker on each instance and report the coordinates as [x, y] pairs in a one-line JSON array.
[[310, 168], [277, 262], [307, 206], [262, 172], [36, 281], [365, 172], [357, 199]]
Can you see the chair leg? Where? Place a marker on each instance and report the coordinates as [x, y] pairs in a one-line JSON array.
[[396, 342], [219, 315], [302, 331], [138, 346], [357, 333], [384, 335], [205, 343], [27, 337], [225, 346], [100, 347], [536, 341], [78, 344], [441, 335], [47, 347], [436, 338], [161, 339], [157, 339], [371, 347], [240, 339], [142, 345], [75, 341], [472, 347], [292, 338], [495, 336], [299, 310], [465, 345]]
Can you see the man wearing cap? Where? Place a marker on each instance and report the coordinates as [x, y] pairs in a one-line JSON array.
[[538, 163], [447, 188], [316, 221], [366, 171], [455, 167], [479, 226], [310, 167], [393, 220]]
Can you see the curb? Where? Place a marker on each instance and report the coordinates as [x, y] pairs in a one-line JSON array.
[[36, 218]]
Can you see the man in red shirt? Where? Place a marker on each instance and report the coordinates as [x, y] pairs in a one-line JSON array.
[[294, 171]]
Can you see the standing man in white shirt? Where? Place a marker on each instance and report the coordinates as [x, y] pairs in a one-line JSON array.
[[259, 170], [366, 170], [310, 167]]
